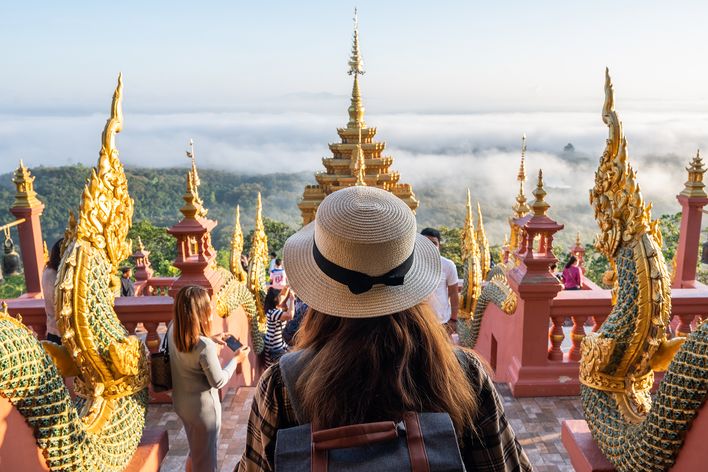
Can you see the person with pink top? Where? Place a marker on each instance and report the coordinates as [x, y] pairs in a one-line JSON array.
[[572, 277]]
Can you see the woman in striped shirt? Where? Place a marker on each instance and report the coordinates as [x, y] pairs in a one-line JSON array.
[[277, 313]]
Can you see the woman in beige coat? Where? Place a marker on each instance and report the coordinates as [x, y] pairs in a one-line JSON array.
[[197, 375]]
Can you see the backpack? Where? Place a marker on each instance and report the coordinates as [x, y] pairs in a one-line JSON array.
[[421, 442]]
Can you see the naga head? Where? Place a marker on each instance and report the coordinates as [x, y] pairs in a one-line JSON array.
[[616, 198]]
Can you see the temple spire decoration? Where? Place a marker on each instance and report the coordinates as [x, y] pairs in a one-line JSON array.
[[472, 268], [196, 182], [694, 186], [540, 206], [520, 208], [237, 248], [483, 244], [23, 179], [357, 159]]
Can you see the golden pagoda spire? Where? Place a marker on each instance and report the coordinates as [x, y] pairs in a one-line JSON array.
[[237, 249], [578, 243], [141, 247], [356, 68], [196, 181], [482, 243], [694, 186], [521, 208], [25, 197], [539, 206]]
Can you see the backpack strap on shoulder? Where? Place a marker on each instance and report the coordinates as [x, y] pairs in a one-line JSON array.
[[291, 366]]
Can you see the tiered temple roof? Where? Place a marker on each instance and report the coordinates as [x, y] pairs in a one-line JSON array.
[[343, 168]]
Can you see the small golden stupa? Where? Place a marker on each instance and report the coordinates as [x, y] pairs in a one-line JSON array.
[[358, 159]]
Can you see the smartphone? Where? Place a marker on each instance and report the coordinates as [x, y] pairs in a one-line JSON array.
[[233, 343]]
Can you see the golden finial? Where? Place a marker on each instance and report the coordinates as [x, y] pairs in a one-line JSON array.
[[259, 243], [539, 206], [189, 209], [140, 244], [521, 176], [483, 244], [577, 240], [694, 186], [237, 248], [468, 225], [472, 282], [506, 239], [106, 211], [356, 68], [25, 197], [356, 64], [196, 182]]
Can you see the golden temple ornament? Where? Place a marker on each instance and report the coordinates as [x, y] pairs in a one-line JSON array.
[[25, 197], [694, 186]]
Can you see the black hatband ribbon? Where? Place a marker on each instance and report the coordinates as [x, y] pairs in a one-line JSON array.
[[359, 282]]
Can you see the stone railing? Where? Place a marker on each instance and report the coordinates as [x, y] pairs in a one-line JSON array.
[[537, 350], [147, 317], [154, 286]]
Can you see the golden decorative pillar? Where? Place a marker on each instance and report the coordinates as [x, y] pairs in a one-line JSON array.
[[28, 208], [520, 208], [357, 159], [692, 199], [258, 261]]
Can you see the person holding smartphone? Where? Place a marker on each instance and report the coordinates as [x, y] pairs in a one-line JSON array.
[[197, 375], [277, 313]]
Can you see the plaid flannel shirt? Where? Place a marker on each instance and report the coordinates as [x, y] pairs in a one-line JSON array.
[[492, 447]]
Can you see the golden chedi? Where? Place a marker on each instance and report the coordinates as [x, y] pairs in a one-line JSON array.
[[346, 167]]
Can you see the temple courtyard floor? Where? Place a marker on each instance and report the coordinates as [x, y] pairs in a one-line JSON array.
[[537, 422]]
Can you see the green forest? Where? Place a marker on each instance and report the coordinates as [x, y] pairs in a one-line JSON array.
[[158, 197]]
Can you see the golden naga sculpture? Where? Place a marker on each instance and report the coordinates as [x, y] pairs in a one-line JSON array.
[[618, 362], [101, 430], [475, 297], [237, 249]]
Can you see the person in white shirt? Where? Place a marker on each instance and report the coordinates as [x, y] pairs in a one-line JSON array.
[[278, 279], [445, 300], [49, 279], [272, 262]]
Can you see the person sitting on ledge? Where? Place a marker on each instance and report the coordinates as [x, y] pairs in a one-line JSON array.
[[370, 348], [572, 277]]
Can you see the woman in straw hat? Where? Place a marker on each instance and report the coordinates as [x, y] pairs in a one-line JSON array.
[[374, 349]]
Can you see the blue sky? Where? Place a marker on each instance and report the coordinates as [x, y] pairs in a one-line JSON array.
[[441, 56], [451, 86]]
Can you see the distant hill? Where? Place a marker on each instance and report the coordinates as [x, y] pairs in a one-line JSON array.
[[158, 196]]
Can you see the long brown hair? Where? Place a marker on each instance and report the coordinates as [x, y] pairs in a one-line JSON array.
[[192, 311], [374, 369]]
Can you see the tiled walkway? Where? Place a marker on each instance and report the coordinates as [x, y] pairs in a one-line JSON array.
[[536, 422]]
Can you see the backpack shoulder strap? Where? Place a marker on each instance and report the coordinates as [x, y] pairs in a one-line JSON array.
[[291, 366]]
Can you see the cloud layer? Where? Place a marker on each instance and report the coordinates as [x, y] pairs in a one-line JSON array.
[[436, 153]]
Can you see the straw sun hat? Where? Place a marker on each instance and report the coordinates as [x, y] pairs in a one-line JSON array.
[[362, 256]]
